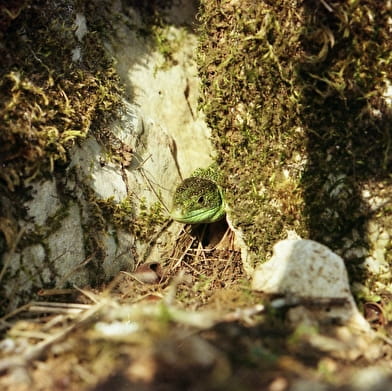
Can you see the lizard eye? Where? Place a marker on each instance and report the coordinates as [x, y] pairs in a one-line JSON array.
[[200, 200]]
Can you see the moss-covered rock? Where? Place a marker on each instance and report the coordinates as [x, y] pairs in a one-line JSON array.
[[296, 96], [49, 98], [89, 162]]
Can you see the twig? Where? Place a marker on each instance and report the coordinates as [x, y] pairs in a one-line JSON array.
[[35, 352], [90, 295], [184, 254], [326, 5], [63, 308], [132, 276], [244, 313], [55, 292]]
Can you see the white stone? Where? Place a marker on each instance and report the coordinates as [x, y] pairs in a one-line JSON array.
[[25, 271], [164, 136], [306, 269], [160, 91], [105, 180], [388, 93], [118, 253], [156, 171], [372, 378], [33, 260], [76, 54], [129, 127], [81, 26], [45, 201], [66, 250]]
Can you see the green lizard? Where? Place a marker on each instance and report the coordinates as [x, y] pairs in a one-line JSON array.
[[199, 199]]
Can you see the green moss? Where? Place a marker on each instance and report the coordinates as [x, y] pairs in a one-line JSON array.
[[48, 101], [121, 215], [40, 233], [167, 42], [293, 93], [247, 81], [148, 220]]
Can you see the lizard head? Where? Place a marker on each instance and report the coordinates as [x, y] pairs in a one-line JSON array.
[[198, 200]]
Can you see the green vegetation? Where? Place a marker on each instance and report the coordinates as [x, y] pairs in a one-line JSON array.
[[57, 88], [293, 92], [167, 43], [122, 215], [49, 100]]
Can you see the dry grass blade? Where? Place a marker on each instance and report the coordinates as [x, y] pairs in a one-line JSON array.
[[36, 351], [58, 308]]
